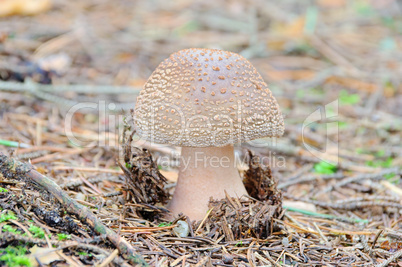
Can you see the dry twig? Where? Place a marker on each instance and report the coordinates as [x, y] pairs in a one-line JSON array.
[[15, 169]]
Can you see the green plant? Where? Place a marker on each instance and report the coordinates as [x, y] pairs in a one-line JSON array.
[[14, 256], [325, 168], [164, 224], [3, 190], [392, 178], [188, 27], [343, 125], [9, 228], [363, 8], [301, 48], [63, 236], [380, 163], [348, 99], [300, 93], [12, 143], [311, 20], [239, 244], [37, 231], [84, 254], [360, 150], [7, 216]]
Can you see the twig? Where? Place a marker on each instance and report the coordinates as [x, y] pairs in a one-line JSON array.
[[306, 179], [366, 247], [109, 259], [333, 55], [270, 258], [7, 237], [360, 177], [16, 169], [77, 88], [376, 238], [46, 92], [396, 256], [94, 180], [350, 205], [372, 198], [395, 235], [322, 215]]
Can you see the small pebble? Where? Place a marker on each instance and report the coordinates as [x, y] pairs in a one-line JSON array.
[[80, 196], [182, 229], [285, 241], [227, 258]]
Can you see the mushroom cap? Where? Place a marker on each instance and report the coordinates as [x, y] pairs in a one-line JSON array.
[[206, 97]]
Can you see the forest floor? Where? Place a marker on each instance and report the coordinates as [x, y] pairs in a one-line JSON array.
[[69, 74]]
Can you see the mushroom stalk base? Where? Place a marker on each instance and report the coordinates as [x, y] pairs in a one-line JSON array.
[[204, 173]]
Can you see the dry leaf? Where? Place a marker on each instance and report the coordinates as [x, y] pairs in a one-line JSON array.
[[23, 7], [44, 255], [352, 83], [294, 29], [280, 75]]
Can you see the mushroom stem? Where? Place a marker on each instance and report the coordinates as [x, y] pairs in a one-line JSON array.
[[204, 173]]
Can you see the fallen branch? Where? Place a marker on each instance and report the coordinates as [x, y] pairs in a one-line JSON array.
[[11, 168]]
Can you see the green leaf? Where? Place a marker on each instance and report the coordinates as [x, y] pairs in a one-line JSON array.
[[238, 244], [392, 178], [164, 224], [311, 20], [380, 153], [7, 216], [3, 190], [37, 231], [322, 215], [348, 99], [13, 144], [188, 27], [324, 167], [83, 253], [300, 93], [360, 150], [380, 163], [62, 236], [9, 228], [363, 8], [343, 125], [14, 256]]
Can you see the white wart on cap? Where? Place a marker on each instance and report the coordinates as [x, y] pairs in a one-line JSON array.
[[206, 97]]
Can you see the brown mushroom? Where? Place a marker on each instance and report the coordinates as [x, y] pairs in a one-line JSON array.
[[206, 100]]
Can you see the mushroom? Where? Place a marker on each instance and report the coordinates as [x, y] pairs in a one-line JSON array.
[[206, 100]]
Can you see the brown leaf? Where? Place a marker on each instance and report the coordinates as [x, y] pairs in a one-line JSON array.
[[44, 255]]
